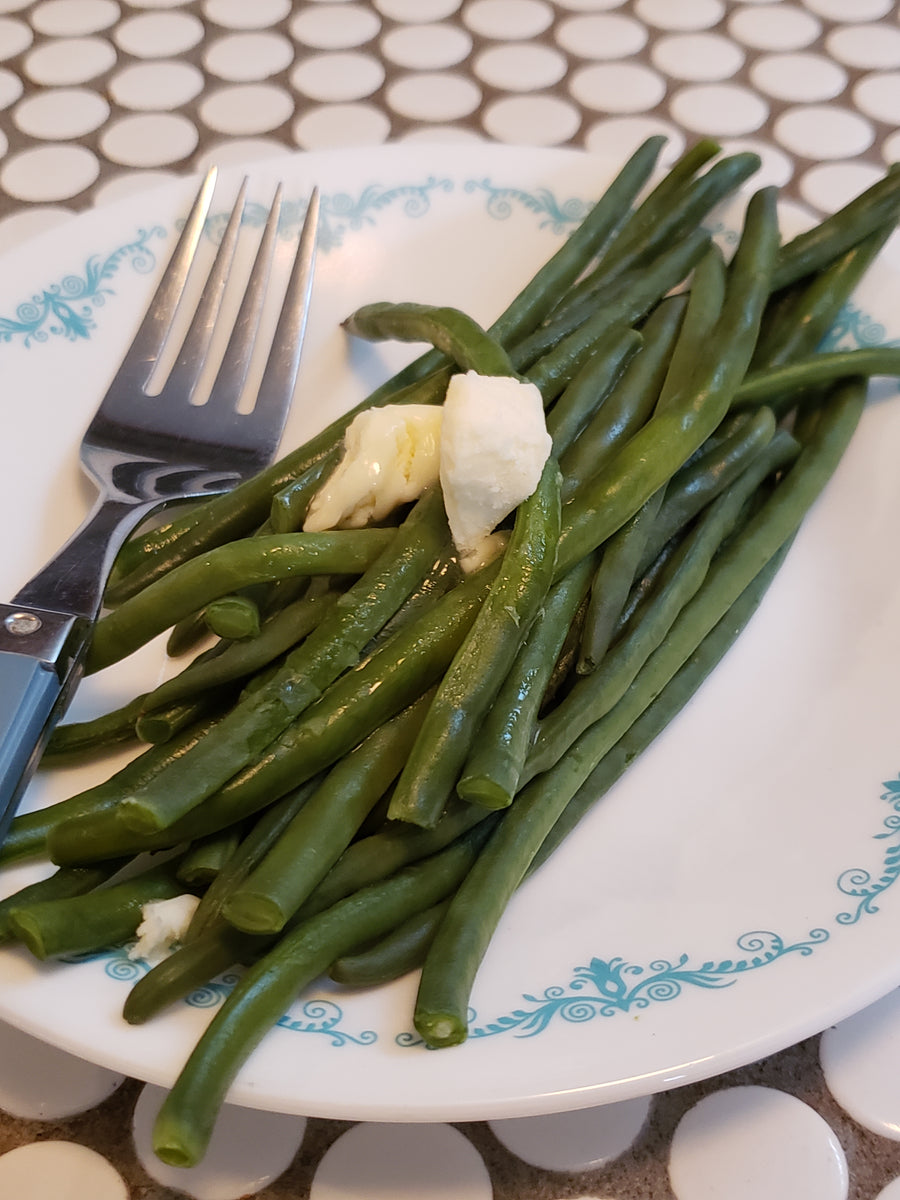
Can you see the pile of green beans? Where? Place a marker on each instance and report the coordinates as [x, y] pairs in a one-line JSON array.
[[377, 750]]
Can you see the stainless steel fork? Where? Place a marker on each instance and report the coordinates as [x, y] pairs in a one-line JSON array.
[[144, 451]]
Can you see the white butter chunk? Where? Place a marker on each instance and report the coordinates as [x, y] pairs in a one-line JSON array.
[[391, 455], [163, 924], [494, 444]]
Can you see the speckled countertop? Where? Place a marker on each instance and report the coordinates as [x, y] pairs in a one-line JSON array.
[[99, 98]]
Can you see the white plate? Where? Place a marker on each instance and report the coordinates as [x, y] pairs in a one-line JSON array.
[[733, 894]]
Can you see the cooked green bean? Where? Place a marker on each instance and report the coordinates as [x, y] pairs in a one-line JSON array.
[[233, 617], [631, 401], [820, 245], [189, 966], [323, 828], [460, 337], [93, 920], [204, 859], [355, 705], [28, 833], [252, 560], [491, 773], [267, 988], [398, 952], [249, 852], [334, 646], [772, 386], [590, 386], [473, 679], [61, 885], [643, 464], [282, 631]]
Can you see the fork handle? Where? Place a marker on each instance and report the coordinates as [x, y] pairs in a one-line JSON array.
[[41, 657]]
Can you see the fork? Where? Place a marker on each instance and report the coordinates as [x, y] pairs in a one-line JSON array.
[[143, 451]]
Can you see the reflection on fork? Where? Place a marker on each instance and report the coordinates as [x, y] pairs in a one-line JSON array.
[[147, 446]]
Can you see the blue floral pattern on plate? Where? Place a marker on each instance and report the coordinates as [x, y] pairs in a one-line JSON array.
[[67, 309]]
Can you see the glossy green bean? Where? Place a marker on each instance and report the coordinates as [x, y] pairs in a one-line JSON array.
[[252, 560], [631, 401], [94, 920], [61, 885], [490, 776], [648, 460], [590, 387], [397, 953], [473, 679], [455, 333], [323, 828], [355, 705], [283, 630], [332, 648], [267, 988]]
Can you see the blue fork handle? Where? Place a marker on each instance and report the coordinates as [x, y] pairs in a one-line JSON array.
[[35, 684]]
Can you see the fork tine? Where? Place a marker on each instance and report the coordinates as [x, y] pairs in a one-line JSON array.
[[283, 363], [182, 379], [151, 335], [232, 373]]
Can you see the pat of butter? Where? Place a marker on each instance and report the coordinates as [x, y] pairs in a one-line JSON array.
[[163, 924], [391, 455], [494, 444]]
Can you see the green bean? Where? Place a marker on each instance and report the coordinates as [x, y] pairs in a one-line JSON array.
[[289, 504], [278, 634], [251, 850], [819, 246], [265, 991], [472, 917], [94, 920], [628, 301], [333, 647], [657, 715], [774, 386], [646, 462], [633, 547], [684, 214], [397, 953], [595, 694], [631, 401], [252, 560], [233, 617], [459, 337], [162, 724], [424, 381], [236, 514], [491, 774], [541, 294], [28, 833], [380, 855], [203, 861], [714, 467], [186, 633], [61, 885], [189, 966], [612, 583], [590, 386], [470, 685], [323, 828], [622, 552], [362, 699], [810, 312], [72, 739]]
